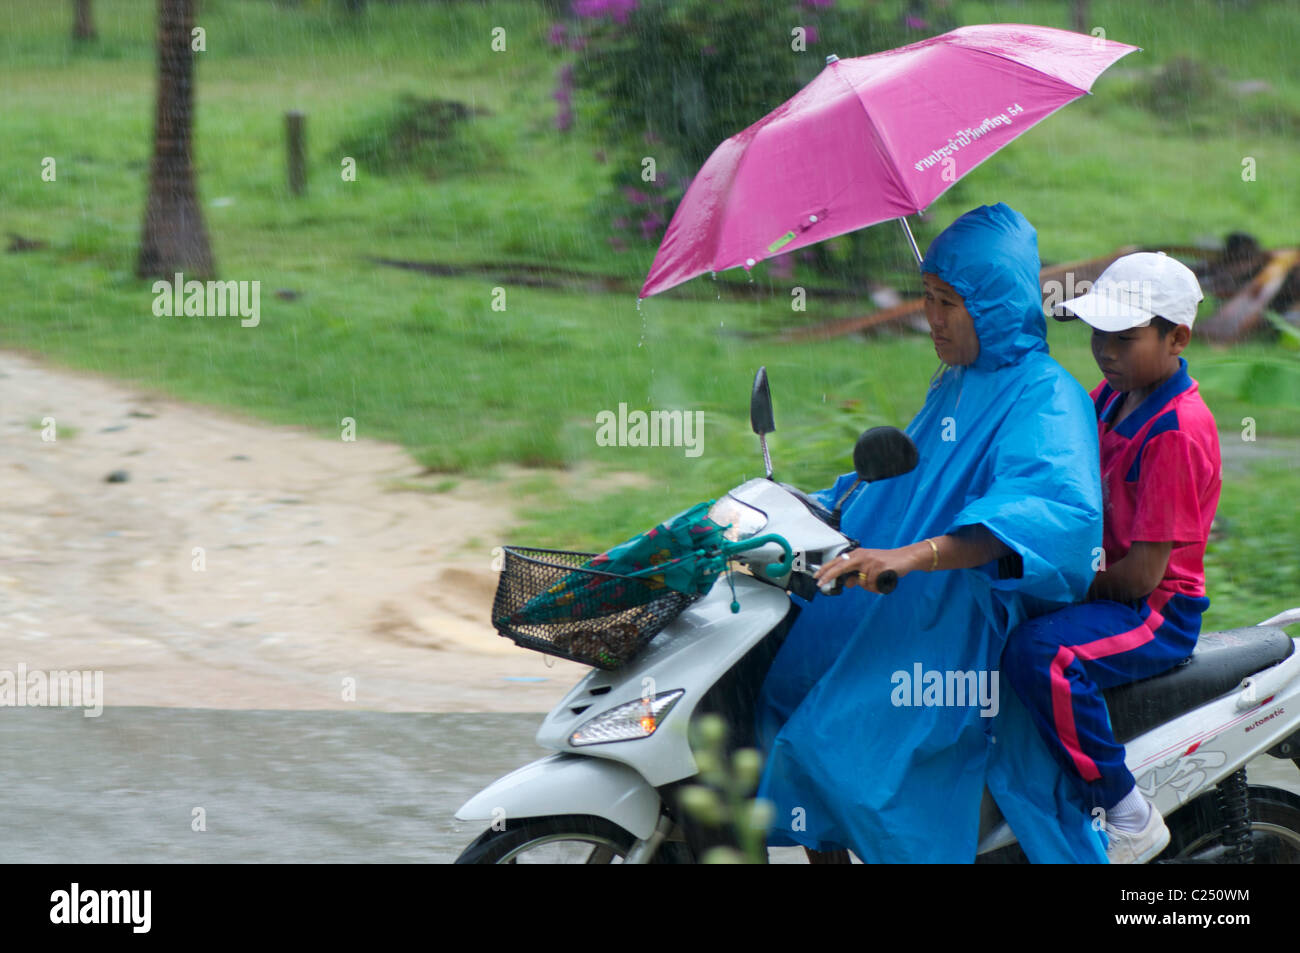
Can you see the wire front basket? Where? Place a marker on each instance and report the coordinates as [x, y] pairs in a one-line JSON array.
[[548, 601]]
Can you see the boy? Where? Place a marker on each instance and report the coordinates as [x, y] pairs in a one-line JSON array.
[[1160, 475]]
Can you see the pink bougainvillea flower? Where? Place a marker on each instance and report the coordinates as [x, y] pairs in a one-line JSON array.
[[617, 10], [651, 224], [564, 87]]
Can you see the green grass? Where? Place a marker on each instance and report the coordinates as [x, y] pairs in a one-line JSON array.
[[427, 361], [1252, 570]]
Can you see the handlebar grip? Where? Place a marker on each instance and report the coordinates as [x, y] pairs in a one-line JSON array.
[[886, 581]]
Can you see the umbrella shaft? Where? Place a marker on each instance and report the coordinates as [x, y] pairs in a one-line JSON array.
[[912, 241]]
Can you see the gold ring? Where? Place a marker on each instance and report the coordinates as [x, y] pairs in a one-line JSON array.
[[862, 578]]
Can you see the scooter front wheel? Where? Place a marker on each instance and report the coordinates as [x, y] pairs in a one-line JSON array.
[[564, 839]]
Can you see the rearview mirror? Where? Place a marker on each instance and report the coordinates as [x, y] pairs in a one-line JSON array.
[[760, 405], [884, 452]]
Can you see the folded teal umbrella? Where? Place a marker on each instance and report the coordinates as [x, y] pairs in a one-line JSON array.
[[682, 554], [603, 610]]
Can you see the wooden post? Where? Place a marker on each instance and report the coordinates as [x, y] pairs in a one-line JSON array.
[[294, 122], [83, 24], [1079, 16]]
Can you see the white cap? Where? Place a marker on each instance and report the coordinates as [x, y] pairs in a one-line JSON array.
[[1137, 288]]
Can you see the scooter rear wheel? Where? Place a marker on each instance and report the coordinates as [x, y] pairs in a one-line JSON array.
[[1274, 829]]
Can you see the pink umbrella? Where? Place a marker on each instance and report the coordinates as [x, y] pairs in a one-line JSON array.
[[870, 139]]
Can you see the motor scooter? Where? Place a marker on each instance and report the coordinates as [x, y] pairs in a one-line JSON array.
[[608, 792]]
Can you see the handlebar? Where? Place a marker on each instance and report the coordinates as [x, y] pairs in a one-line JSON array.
[[886, 582]]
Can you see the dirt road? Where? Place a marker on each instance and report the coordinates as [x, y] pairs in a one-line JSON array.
[[241, 565]]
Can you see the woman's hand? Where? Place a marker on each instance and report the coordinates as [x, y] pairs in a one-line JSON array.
[[969, 547], [864, 566]]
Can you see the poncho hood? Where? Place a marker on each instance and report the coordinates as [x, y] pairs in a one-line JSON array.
[[990, 257]]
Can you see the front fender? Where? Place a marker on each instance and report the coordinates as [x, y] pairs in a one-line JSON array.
[[569, 784]]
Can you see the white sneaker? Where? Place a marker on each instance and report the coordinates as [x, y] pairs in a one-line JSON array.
[[1127, 847]]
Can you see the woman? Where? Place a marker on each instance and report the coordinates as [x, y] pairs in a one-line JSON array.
[[998, 522]]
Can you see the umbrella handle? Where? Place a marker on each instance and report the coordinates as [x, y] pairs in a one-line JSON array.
[[773, 569]]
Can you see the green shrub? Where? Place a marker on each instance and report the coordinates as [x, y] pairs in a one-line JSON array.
[[435, 137]]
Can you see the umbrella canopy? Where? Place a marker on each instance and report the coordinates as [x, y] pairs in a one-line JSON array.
[[870, 139]]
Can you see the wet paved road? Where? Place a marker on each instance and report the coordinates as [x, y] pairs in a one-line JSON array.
[[274, 786]]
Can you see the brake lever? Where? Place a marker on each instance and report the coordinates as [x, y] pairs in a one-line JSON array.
[[836, 587]]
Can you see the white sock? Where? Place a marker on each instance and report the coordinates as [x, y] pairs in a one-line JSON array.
[[1131, 813]]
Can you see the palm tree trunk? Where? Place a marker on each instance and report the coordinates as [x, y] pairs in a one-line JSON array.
[[174, 237]]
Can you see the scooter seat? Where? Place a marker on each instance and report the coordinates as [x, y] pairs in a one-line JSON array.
[[1217, 666]]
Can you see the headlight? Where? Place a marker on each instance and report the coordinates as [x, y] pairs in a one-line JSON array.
[[743, 519], [637, 719]]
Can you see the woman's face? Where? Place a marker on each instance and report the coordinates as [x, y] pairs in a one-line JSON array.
[[951, 327]]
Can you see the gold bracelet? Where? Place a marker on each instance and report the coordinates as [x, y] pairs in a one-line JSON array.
[[934, 563]]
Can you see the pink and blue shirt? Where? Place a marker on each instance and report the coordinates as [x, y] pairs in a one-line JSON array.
[[1161, 475]]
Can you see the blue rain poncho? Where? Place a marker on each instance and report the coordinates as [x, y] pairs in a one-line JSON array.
[[859, 754]]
